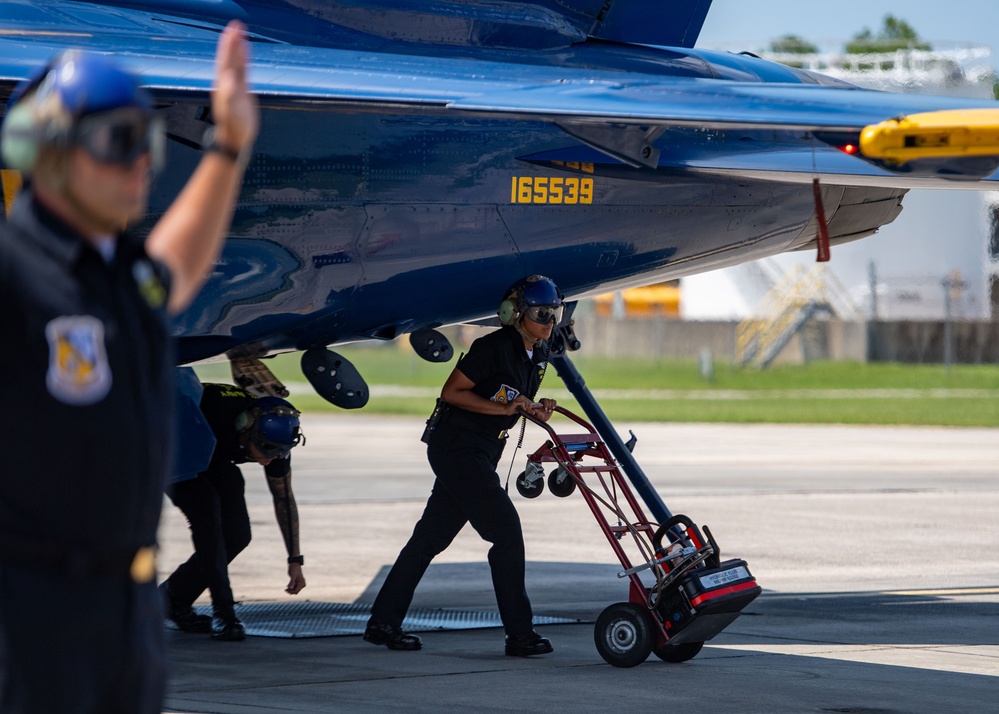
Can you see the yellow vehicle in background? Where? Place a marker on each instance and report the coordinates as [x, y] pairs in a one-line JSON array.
[[659, 300]]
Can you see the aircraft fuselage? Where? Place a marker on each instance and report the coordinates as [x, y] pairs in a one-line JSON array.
[[346, 216]]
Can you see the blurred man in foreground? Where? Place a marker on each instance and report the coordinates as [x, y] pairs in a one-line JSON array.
[[89, 364]]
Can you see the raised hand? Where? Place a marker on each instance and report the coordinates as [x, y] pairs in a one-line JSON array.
[[234, 108]]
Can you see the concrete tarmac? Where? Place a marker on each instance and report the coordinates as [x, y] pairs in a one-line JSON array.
[[877, 548]]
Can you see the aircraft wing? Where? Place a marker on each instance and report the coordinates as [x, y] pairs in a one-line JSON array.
[[710, 104], [288, 74], [284, 75]]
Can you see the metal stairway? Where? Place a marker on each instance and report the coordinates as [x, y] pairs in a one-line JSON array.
[[797, 297]]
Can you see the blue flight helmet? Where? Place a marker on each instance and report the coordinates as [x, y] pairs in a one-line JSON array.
[[275, 429], [86, 100], [539, 300], [536, 298]]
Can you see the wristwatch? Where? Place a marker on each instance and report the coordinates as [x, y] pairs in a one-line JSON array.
[[300, 559], [211, 146]]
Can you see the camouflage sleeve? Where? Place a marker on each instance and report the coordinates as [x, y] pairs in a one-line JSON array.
[[285, 508]]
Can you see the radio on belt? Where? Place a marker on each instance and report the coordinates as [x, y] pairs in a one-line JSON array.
[[688, 594]]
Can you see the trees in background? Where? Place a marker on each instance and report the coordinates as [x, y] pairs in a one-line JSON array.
[[896, 34]]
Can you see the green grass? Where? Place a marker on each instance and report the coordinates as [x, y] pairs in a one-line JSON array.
[[629, 373], [966, 395], [885, 411]]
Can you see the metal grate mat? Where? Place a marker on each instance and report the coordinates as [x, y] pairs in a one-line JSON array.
[[331, 619]]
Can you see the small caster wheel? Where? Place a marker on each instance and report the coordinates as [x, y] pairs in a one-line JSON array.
[[530, 489], [561, 483]]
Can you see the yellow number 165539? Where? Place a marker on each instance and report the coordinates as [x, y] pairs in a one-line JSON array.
[[545, 189]]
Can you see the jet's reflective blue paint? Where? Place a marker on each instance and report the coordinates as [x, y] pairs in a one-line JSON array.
[[479, 23], [416, 158], [390, 217]]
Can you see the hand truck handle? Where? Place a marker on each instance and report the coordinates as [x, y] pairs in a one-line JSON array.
[[670, 525], [709, 545], [564, 412]]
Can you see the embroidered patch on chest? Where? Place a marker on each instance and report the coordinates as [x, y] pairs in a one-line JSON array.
[[79, 373], [505, 395]]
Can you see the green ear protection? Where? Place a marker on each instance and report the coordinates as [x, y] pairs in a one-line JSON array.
[[508, 313], [19, 138], [244, 421], [21, 135]]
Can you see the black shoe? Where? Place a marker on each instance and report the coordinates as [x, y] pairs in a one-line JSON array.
[[394, 638], [527, 644], [183, 617], [228, 628]]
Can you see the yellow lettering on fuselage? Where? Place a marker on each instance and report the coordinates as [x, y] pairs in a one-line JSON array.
[[569, 190], [584, 166]]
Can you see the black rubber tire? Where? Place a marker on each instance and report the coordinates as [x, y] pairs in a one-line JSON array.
[[564, 487], [678, 653], [623, 634], [529, 490]]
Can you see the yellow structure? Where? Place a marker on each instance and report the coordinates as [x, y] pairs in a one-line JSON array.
[[659, 300]]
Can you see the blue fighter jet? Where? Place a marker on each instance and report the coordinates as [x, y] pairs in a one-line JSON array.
[[417, 157]]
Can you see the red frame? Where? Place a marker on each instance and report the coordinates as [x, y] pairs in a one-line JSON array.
[[614, 484]]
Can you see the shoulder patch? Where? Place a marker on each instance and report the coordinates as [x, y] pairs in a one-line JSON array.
[[79, 373]]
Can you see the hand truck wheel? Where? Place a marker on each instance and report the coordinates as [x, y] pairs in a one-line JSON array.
[[529, 489], [561, 483], [678, 653], [623, 634]]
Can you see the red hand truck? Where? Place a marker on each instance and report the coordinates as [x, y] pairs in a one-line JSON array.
[[692, 595]]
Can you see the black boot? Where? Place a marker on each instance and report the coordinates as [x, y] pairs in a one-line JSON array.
[[378, 633], [527, 644], [183, 617], [227, 627]]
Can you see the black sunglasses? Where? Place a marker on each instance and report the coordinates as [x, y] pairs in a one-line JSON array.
[[122, 136], [271, 450]]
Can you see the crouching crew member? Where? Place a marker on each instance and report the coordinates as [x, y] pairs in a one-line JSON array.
[[246, 429], [480, 401]]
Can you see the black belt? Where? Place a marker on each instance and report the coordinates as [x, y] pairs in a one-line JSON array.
[[462, 422], [139, 564]]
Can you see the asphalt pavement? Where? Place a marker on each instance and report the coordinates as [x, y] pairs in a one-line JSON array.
[[877, 549]]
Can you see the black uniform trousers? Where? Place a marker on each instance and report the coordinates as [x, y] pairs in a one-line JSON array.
[[467, 490], [215, 506], [79, 643]]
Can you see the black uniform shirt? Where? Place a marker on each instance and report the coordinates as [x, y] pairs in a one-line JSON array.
[[222, 405], [495, 362], [87, 368]]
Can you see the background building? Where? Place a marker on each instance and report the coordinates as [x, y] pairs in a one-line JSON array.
[[899, 273]]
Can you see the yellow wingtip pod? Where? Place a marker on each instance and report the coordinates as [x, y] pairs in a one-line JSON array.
[[952, 133]]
